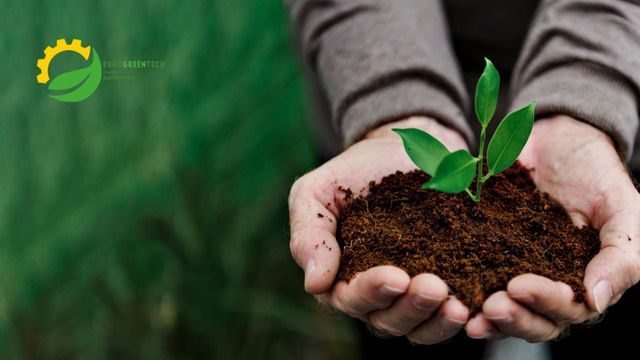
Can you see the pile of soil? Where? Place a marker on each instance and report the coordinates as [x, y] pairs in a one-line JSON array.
[[475, 249]]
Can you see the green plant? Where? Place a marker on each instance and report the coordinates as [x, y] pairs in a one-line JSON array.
[[453, 172]]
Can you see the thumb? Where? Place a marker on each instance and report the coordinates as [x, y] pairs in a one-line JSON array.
[[616, 268], [608, 276], [313, 241]]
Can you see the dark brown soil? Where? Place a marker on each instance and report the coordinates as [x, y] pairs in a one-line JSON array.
[[476, 249]]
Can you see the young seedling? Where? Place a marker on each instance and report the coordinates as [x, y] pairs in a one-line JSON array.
[[453, 172]]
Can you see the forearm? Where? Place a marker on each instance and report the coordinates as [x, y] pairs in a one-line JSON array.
[[581, 60], [380, 61]]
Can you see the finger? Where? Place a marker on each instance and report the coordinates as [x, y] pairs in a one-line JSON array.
[[447, 322], [374, 289], [313, 243], [516, 320], [608, 275], [481, 328], [553, 299], [425, 295], [617, 266]]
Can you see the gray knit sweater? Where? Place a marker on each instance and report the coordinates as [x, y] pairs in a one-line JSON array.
[[372, 62]]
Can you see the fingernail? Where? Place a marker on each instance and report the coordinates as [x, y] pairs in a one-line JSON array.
[[309, 267], [425, 301], [602, 294], [527, 298], [455, 321], [505, 319], [387, 290], [485, 336]]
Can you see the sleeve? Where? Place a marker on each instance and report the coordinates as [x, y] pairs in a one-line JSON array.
[[380, 61], [582, 59]]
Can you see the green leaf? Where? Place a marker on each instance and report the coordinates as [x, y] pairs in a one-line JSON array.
[[70, 79], [510, 138], [487, 91], [455, 173], [79, 88], [424, 150]]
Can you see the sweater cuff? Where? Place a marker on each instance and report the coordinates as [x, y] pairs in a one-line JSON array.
[[409, 97], [592, 93]]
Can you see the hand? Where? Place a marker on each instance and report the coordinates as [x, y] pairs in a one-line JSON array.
[[577, 165], [384, 296]]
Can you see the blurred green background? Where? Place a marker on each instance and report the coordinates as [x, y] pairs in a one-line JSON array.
[[150, 221]]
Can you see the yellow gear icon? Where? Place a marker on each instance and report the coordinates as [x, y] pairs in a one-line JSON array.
[[51, 52]]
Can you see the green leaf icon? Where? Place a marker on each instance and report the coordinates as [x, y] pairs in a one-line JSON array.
[[455, 173], [424, 150], [80, 83], [510, 138]]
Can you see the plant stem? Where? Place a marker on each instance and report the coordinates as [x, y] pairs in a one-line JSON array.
[[480, 179], [473, 197]]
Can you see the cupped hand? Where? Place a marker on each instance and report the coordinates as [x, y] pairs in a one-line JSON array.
[[577, 165], [384, 296]]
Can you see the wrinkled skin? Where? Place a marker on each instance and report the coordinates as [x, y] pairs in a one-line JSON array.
[[577, 165], [595, 189]]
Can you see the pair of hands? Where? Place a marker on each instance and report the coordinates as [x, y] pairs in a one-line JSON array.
[[573, 162]]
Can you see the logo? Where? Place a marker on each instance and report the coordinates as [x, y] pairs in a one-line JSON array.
[[75, 85]]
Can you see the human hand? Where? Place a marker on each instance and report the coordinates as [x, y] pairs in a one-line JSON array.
[[577, 165], [384, 296]]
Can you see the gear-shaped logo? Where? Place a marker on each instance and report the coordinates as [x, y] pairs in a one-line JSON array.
[[75, 85]]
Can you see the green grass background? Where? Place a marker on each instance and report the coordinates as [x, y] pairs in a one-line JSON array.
[[150, 221]]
